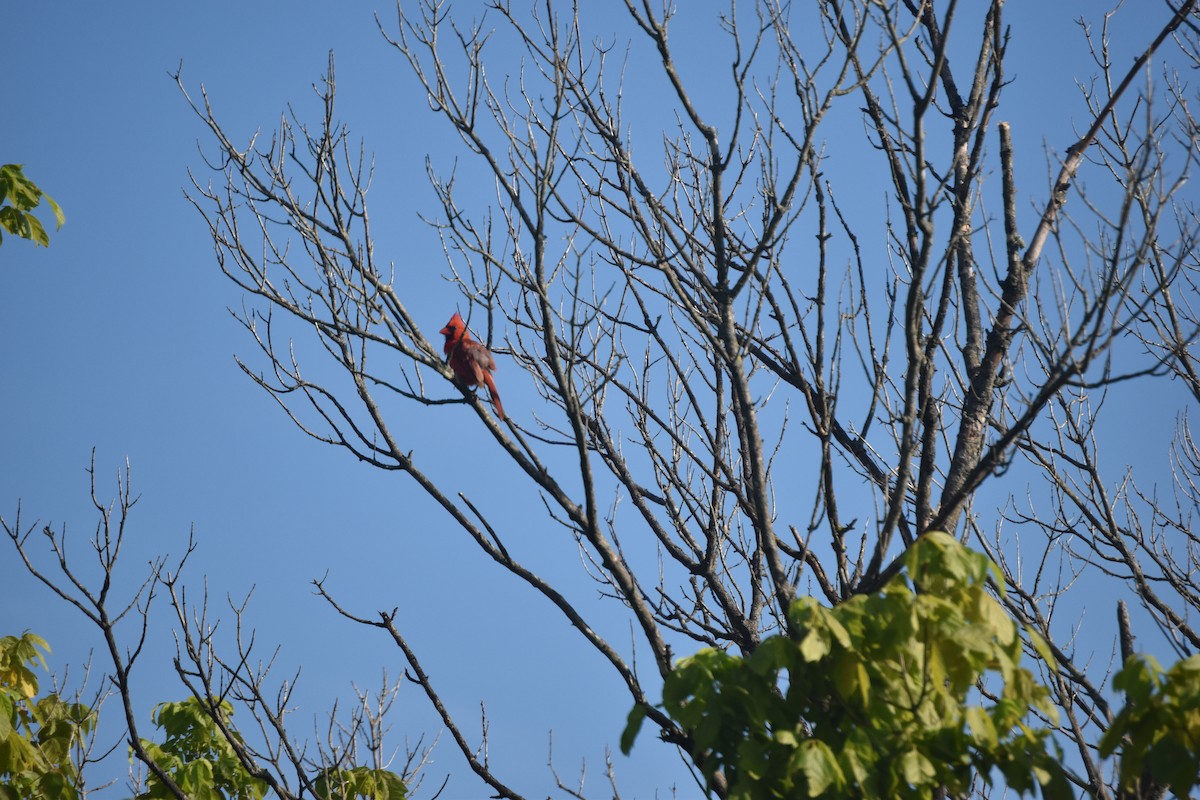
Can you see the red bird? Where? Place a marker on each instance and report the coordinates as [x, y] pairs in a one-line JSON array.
[[471, 361]]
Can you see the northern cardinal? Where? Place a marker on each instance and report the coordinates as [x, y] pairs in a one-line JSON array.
[[471, 361]]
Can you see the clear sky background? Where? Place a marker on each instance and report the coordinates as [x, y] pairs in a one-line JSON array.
[[118, 337]]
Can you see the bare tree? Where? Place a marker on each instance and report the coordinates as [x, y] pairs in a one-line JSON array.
[[218, 670], [707, 304]]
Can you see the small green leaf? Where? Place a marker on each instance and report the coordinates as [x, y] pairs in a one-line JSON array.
[[816, 762], [37, 234], [858, 757], [6, 715], [787, 737], [915, 768], [14, 221], [1139, 677], [983, 732], [1042, 648], [997, 620], [851, 679], [772, 655], [633, 725], [60, 218], [815, 645]]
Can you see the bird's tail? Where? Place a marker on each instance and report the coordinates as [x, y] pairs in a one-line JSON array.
[[491, 384]]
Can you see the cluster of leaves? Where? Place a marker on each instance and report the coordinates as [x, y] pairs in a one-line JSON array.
[[197, 756], [201, 760], [18, 197], [877, 697], [1158, 730], [38, 737], [41, 741], [375, 784]]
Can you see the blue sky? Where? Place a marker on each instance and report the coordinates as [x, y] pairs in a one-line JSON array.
[[117, 337]]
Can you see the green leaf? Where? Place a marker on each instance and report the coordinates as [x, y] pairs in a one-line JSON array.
[[983, 732], [787, 737], [803, 611], [997, 620], [858, 757], [37, 234], [1111, 739], [1140, 676], [851, 679], [1187, 670], [60, 218], [815, 645], [345, 784], [14, 221], [55, 786], [772, 655], [1042, 648], [915, 769], [633, 725], [23, 196], [393, 788], [816, 762], [18, 189], [7, 711], [1173, 763]]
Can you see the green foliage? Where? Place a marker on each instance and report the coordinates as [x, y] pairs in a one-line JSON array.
[[877, 697], [1158, 730], [347, 784], [203, 763], [38, 737], [18, 197], [197, 755]]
